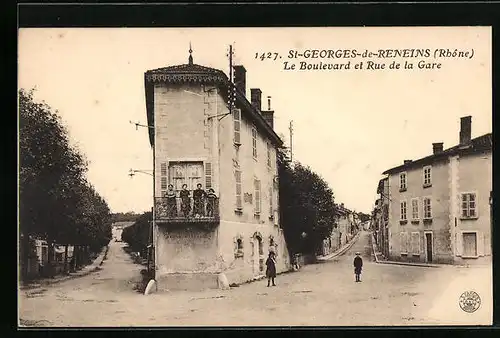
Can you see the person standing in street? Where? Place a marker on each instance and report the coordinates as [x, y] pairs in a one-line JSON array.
[[358, 265], [271, 268]]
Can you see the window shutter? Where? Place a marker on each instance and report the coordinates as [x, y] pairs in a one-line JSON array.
[[271, 207], [208, 175], [402, 240], [163, 176], [415, 243], [459, 243], [480, 243], [237, 126], [237, 175], [257, 196]]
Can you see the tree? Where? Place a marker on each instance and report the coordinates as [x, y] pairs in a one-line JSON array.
[[137, 236], [307, 207], [56, 202]]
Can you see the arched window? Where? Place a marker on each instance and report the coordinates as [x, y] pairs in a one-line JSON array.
[[238, 247]]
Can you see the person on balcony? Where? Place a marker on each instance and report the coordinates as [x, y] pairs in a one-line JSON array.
[[185, 200], [198, 198], [211, 197], [171, 201]]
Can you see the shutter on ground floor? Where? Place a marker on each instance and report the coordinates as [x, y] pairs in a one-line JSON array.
[[458, 244], [480, 243]]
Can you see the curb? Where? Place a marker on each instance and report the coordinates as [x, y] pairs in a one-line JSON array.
[[422, 265], [340, 251]]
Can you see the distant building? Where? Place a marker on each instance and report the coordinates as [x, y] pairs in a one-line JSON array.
[[200, 143], [344, 229], [439, 205]]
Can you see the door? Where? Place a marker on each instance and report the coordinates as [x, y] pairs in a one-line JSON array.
[[190, 173], [470, 244], [428, 245]]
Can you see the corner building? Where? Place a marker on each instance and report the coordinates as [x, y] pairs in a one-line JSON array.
[[199, 138], [441, 205]]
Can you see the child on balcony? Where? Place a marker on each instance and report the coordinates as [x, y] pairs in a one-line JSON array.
[[211, 202], [171, 201], [185, 200], [198, 197]]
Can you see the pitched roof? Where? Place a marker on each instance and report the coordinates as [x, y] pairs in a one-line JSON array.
[[477, 145], [200, 74]]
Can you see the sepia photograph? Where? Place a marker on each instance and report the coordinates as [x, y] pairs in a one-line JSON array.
[[234, 177]]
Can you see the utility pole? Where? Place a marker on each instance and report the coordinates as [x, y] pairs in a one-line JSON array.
[[151, 251], [291, 144], [231, 89]]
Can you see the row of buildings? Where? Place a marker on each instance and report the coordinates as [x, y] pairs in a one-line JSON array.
[[346, 227], [438, 209], [216, 177]]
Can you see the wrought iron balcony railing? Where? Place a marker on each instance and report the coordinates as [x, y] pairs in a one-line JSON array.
[[177, 209]]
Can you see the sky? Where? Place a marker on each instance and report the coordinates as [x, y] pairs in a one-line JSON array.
[[348, 125]]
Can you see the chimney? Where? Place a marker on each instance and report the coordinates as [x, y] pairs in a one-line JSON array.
[[437, 148], [269, 117], [255, 98], [240, 81], [465, 130], [406, 161], [269, 114]]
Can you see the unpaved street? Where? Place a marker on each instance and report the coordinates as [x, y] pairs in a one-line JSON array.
[[320, 294]]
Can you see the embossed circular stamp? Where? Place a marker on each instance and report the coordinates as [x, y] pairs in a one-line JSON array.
[[469, 301]]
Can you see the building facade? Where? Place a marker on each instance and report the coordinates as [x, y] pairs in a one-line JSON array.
[[381, 217], [439, 206], [216, 178]]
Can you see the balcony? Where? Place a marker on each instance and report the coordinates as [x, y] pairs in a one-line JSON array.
[[179, 211]]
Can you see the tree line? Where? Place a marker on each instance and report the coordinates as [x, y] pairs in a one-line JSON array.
[[56, 201], [307, 206]]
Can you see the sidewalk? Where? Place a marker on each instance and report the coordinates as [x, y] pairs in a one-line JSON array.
[[380, 259], [340, 251], [86, 270]]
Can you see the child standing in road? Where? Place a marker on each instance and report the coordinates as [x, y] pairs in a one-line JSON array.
[[358, 265], [271, 268]]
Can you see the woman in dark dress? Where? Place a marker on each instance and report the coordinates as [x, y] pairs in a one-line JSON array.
[[185, 200], [211, 202], [198, 198], [171, 201], [271, 268]]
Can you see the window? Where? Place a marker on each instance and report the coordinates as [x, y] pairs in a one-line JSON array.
[[208, 175], [257, 196], [469, 205], [415, 243], [427, 176], [239, 248], [404, 242], [254, 142], [239, 204], [402, 182], [427, 208], [403, 211], [237, 126], [269, 155], [414, 209]]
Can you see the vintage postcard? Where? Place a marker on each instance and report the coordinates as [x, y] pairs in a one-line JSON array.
[[255, 176]]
